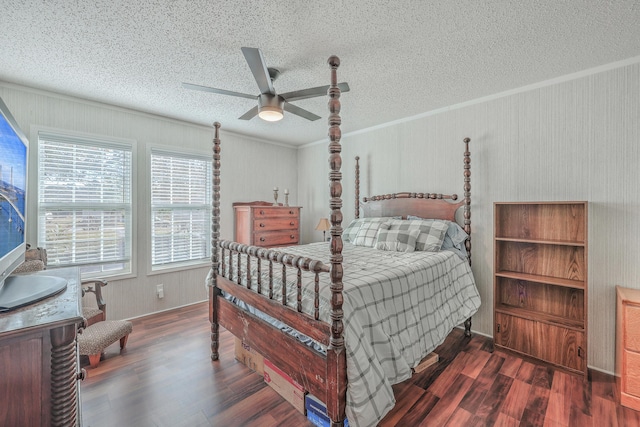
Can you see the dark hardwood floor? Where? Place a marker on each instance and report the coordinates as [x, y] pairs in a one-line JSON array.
[[165, 377]]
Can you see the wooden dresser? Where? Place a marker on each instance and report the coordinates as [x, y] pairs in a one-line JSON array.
[[628, 346], [262, 224], [540, 281], [40, 373]]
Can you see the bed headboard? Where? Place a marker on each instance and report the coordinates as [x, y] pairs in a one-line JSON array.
[[424, 205]]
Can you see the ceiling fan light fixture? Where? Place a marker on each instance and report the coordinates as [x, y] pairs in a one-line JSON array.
[[270, 107], [266, 113]]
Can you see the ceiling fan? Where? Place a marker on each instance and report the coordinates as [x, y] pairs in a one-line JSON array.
[[270, 103]]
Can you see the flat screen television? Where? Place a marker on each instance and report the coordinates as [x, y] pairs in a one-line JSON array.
[[16, 291], [14, 147]]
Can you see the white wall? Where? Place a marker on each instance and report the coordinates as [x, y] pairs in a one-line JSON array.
[[576, 139], [243, 159]]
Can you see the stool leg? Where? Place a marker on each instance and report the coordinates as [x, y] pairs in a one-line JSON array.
[[94, 359], [123, 341]]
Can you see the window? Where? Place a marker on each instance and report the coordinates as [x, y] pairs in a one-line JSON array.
[[84, 203], [180, 208]]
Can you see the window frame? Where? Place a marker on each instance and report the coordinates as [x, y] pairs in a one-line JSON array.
[[183, 153], [92, 140]]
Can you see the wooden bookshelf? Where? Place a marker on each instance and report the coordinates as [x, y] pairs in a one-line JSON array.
[[540, 281]]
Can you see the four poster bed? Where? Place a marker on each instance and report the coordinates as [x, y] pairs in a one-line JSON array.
[[349, 318]]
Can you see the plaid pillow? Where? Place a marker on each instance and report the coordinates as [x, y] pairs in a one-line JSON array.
[[349, 233], [432, 232], [454, 236], [367, 234], [396, 240]]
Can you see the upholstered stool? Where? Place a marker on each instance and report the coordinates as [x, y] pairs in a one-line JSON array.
[[95, 338]]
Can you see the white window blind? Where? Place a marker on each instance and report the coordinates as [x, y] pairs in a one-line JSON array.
[[180, 207], [84, 203]]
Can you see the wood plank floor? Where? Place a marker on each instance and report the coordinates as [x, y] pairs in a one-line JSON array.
[[165, 377]]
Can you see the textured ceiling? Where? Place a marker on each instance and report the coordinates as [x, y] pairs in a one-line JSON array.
[[400, 58]]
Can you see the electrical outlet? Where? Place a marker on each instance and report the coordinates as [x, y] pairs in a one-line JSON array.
[[160, 291]]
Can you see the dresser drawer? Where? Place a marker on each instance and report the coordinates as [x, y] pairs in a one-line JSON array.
[[277, 238], [265, 224], [272, 212], [632, 327], [627, 343]]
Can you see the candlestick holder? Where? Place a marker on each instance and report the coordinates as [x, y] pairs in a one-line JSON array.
[[275, 197], [286, 197]]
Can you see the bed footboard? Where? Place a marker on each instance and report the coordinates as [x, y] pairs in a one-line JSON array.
[[272, 282], [262, 278]]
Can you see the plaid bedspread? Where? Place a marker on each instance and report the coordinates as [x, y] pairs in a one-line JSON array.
[[398, 308]]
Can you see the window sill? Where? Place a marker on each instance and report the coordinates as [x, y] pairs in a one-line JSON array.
[[170, 268]]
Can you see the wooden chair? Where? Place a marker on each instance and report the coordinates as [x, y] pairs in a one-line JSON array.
[[93, 309]]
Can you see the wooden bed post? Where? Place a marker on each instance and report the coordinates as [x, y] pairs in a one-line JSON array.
[[215, 235], [357, 186], [467, 214], [467, 196], [336, 354]]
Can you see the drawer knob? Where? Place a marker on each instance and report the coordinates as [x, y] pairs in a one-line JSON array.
[[292, 236], [292, 223], [261, 212], [261, 224], [262, 239], [290, 212]]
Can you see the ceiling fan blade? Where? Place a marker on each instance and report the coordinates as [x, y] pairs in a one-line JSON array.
[[312, 92], [300, 112], [249, 114], [219, 91], [259, 69]]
